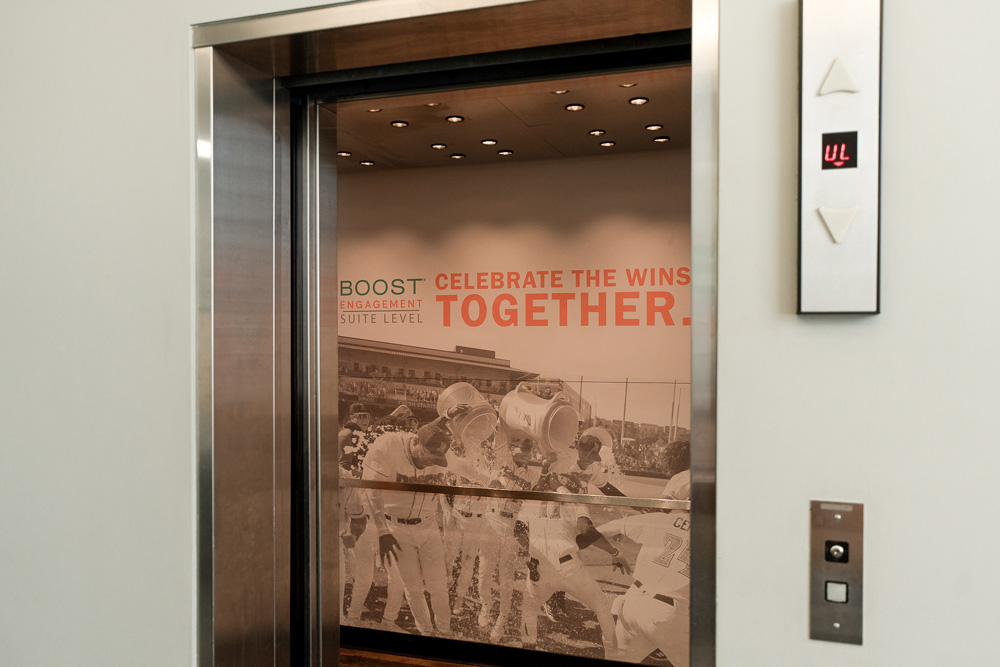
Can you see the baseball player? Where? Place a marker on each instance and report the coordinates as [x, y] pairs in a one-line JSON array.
[[463, 518], [394, 599], [500, 542], [360, 544], [554, 547], [406, 523], [579, 467], [358, 548], [350, 439], [468, 537], [585, 461], [679, 465], [655, 611]]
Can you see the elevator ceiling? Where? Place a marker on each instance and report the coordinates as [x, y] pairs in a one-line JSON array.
[[528, 121]]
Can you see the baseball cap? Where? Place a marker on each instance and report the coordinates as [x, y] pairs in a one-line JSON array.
[[590, 444], [435, 442], [358, 409]]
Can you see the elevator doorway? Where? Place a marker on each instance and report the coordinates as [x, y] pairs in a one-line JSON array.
[[527, 240], [313, 186]]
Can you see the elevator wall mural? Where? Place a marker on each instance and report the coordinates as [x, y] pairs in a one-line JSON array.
[[521, 326]]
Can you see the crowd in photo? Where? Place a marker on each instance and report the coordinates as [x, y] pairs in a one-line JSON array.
[[638, 456], [592, 581], [388, 391]]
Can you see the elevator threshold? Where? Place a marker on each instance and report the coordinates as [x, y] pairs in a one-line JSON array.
[[350, 657]]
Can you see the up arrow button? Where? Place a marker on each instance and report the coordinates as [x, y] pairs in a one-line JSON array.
[[839, 80], [838, 220]]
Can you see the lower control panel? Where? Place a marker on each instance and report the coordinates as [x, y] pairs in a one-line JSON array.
[[835, 571]]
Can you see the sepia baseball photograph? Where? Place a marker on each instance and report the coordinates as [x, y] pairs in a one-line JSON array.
[[537, 347]]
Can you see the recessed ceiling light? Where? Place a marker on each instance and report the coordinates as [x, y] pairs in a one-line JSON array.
[[439, 147], [638, 100], [626, 85], [654, 127], [367, 163], [458, 156], [607, 144], [400, 123], [455, 119], [489, 142], [597, 133], [344, 153], [433, 104], [505, 152], [374, 110], [661, 140], [559, 92], [574, 107]]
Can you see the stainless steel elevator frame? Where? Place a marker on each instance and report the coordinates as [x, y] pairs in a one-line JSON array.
[[246, 337]]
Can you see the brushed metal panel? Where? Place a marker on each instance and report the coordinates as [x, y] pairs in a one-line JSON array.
[[404, 35], [244, 451], [342, 13], [282, 376], [329, 529], [837, 525], [203, 61], [704, 309], [306, 638]]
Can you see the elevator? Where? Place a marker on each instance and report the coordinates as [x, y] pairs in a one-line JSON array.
[[291, 337]]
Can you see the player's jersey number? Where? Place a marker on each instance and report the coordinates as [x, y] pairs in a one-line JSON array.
[[672, 545]]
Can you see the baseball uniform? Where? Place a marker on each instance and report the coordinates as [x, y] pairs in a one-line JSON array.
[[411, 519], [679, 486], [500, 544], [556, 566], [465, 539], [359, 543], [655, 612], [595, 474]]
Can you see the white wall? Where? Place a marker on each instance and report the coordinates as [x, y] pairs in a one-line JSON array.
[[895, 410], [96, 384]]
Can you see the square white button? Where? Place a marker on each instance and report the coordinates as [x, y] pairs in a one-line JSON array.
[[836, 591]]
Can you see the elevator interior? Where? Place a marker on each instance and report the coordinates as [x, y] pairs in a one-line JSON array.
[[517, 176]]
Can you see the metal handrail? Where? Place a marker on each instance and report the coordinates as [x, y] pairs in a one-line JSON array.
[[514, 494]]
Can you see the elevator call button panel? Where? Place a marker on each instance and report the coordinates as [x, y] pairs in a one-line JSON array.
[[836, 577], [839, 129]]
